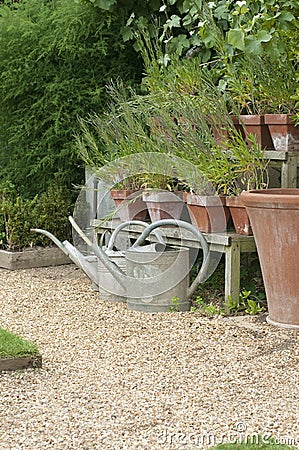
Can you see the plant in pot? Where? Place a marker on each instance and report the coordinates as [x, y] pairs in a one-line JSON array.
[[231, 167], [251, 170], [119, 137], [128, 200], [162, 196], [255, 65], [205, 135], [262, 92], [106, 138]]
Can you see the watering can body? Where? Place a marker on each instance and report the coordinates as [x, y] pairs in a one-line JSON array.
[[110, 288], [158, 281]]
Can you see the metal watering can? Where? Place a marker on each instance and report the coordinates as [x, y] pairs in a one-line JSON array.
[[155, 275], [110, 289], [94, 267]]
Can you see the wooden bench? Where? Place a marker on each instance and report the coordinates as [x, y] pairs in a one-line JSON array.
[[229, 243]]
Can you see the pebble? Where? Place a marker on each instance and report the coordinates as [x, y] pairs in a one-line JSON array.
[[116, 379]]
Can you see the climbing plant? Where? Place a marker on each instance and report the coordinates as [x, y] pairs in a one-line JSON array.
[[250, 26]]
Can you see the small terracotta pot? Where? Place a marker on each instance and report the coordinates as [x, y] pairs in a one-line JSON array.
[[274, 216], [284, 133], [129, 209], [208, 213], [239, 215], [255, 124], [163, 205]]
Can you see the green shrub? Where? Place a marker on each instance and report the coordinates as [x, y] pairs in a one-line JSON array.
[[56, 59], [49, 210]]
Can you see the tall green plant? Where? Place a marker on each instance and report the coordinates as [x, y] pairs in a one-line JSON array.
[[56, 58], [185, 115]]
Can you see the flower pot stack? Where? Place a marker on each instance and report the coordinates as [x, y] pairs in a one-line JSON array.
[[275, 132]]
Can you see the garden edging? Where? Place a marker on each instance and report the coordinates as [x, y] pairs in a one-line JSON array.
[[33, 257]]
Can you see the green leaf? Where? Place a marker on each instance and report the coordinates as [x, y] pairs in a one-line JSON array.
[[252, 45], [264, 36], [179, 43], [127, 33], [236, 38], [105, 4], [287, 16], [174, 21]]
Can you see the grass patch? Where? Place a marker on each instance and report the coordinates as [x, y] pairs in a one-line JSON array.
[[13, 346]]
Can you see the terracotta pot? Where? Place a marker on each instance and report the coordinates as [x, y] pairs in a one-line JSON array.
[[208, 213], [129, 209], [255, 124], [163, 205], [274, 216], [284, 133], [239, 215]]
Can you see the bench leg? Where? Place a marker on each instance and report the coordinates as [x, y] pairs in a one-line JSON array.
[[232, 272], [289, 173]]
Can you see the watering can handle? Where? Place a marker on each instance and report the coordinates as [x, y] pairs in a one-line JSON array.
[[126, 224], [201, 276]]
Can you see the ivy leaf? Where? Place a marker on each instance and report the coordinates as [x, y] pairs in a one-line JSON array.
[[221, 12], [263, 36], [105, 4], [189, 4], [236, 38], [252, 45], [174, 21], [127, 33], [179, 43], [287, 16]]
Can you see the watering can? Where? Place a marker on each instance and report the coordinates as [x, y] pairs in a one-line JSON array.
[[93, 267], [156, 275]]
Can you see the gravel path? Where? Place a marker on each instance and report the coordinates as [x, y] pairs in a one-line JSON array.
[[115, 379]]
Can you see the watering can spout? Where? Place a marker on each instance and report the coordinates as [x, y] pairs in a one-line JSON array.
[[68, 249], [51, 236]]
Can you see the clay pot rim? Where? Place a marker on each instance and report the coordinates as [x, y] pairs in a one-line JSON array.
[[124, 193], [204, 200], [279, 198], [234, 202], [162, 196], [279, 119]]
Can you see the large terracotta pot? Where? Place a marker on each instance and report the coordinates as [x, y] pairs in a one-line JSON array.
[[274, 217]]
